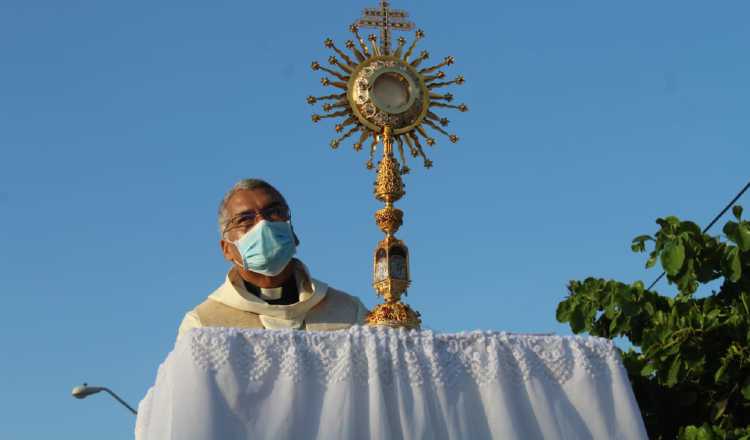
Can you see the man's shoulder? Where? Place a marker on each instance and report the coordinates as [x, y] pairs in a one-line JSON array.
[[208, 305]]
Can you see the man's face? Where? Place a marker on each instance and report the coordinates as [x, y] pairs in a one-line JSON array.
[[245, 204]]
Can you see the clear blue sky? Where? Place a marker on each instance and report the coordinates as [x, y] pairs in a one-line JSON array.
[[123, 123]]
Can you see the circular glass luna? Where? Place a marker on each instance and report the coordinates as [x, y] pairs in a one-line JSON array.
[[391, 92]]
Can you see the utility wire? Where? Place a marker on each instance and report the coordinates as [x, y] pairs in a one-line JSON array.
[[723, 211]]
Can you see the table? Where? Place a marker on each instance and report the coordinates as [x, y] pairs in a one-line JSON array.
[[382, 383]]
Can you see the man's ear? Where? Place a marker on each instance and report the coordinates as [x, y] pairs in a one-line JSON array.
[[227, 250], [296, 239]]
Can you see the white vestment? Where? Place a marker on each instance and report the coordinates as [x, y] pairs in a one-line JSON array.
[[320, 307]]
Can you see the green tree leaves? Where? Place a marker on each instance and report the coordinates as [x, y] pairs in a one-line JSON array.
[[743, 236], [698, 433], [674, 371], [690, 362], [746, 391], [672, 257], [737, 211], [733, 265]]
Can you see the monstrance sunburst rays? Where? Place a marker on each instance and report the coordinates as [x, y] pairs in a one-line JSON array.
[[379, 87]]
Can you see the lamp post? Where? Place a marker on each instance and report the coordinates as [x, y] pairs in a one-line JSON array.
[[83, 391]]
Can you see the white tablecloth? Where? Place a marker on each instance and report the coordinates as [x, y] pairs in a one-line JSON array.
[[377, 383]]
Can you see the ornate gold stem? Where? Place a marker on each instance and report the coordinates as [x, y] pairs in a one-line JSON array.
[[391, 259]]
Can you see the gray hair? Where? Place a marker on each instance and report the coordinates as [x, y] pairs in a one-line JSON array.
[[244, 184]]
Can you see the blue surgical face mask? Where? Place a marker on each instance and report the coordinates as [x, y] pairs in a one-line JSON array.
[[267, 247]]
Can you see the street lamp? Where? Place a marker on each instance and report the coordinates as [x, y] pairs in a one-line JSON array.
[[83, 391]]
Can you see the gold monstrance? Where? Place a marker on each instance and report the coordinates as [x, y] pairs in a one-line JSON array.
[[385, 96]]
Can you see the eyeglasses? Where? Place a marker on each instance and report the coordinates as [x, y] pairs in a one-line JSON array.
[[245, 220]]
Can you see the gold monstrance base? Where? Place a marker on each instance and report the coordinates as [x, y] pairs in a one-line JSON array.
[[391, 261], [384, 93]]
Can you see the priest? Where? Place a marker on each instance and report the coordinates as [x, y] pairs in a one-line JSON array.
[[266, 287]]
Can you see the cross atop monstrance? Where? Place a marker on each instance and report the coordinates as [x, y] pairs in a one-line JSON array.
[[385, 96], [385, 18]]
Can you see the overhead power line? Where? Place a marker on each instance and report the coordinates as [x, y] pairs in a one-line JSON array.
[[718, 216]]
